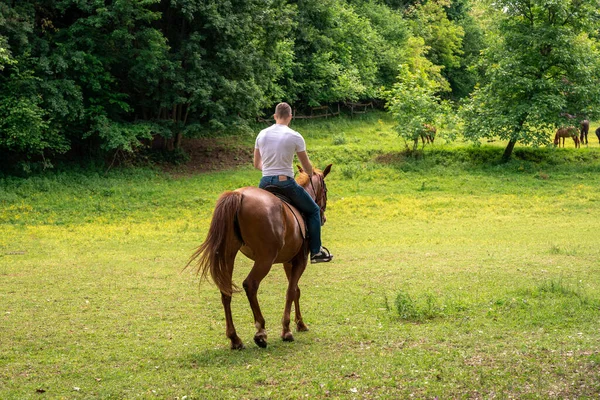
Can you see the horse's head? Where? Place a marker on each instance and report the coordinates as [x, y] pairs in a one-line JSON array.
[[316, 187]]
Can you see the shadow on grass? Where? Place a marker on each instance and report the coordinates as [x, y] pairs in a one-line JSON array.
[[224, 356]]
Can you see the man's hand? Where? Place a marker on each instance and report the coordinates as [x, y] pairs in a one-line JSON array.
[[303, 158]]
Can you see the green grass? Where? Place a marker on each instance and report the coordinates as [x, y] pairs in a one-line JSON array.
[[454, 276]]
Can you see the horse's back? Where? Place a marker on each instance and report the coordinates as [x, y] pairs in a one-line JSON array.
[[267, 226], [566, 132]]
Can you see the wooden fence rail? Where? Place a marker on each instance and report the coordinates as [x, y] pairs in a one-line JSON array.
[[326, 111]]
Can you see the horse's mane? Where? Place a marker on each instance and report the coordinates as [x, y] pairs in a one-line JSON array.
[[302, 179]]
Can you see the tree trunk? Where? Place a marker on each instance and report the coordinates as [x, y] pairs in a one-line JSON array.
[[508, 151], [177, 139]]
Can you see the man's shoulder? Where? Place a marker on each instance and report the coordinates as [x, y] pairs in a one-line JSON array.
[[293, 132], [279, 129]]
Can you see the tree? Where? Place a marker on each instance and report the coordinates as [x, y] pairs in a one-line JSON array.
[[414, 100], [543, 64]]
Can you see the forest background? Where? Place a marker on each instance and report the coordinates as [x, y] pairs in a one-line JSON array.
[[89, 79]]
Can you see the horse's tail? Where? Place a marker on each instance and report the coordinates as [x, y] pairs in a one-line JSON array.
[[223, 232]]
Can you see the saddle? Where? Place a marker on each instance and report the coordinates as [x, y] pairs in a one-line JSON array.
[[276, 190]]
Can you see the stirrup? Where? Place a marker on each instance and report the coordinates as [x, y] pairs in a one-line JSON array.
[[322, 256]]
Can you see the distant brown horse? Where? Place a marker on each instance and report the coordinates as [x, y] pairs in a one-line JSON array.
[[598, 134], [427, 135], [585, 128], [267, 231], [563, 133]]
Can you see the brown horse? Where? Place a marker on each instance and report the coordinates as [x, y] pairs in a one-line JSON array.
[[563, 133], [427, 135], [267, 231], [585, 128]]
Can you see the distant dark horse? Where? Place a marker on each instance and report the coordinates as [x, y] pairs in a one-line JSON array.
[[563, 133], [585, 128], [267, 231], [598, 134]]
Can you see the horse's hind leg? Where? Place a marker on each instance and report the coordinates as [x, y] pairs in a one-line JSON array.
[[236, 342], [293, 272], [251, 284]]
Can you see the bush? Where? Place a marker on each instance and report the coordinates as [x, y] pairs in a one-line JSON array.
[[339, 139], [417, 310]]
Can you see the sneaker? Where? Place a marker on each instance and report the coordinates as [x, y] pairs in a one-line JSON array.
[[322, 256]]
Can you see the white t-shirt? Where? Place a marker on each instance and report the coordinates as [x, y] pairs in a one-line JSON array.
[[277, 145]]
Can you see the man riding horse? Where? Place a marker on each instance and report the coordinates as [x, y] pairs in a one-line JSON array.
[[274, 155]]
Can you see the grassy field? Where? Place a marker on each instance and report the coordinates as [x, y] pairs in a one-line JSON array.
[[454, 277]]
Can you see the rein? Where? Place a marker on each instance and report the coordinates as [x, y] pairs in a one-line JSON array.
[[323, 194]]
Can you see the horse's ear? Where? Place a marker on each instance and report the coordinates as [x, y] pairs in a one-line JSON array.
[[327, 170], [300, 168]]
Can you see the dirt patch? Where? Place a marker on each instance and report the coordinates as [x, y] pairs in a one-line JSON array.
[[391, 158], [212, 154]]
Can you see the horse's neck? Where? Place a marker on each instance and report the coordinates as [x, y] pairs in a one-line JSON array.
[[311, 189]]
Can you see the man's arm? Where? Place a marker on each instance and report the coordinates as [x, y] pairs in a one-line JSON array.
[[303, 157], [257, 159]]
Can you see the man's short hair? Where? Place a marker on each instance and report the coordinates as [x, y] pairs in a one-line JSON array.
[[283, 110]]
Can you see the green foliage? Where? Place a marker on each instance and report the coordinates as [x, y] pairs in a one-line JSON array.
[[336, 53], [25, 126], [442, 36], [464, 76], [393, 40], [5, 56], [76, 57], [453, 39]]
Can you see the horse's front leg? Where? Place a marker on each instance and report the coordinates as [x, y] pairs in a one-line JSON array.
[[300, 325], [251, 284]]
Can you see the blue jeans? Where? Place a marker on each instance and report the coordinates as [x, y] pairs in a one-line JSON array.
[[303, 202]]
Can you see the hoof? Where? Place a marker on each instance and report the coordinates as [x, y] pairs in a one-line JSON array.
[[301, 327], [260, 340], [287, 337], [237, 346]]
